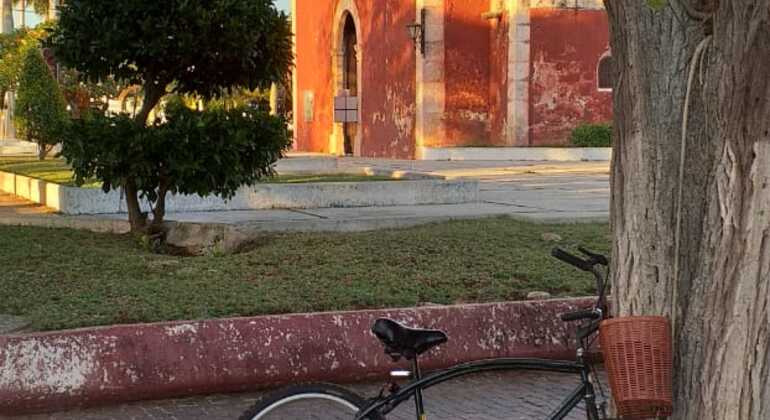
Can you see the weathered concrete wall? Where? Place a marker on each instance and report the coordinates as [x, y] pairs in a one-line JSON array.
[[467, 37], [84, 367], [524, 78], [387, 76], [420, 191], [388, 79], [498, 74], [566, 45]]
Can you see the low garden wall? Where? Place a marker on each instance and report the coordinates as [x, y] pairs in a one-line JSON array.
[[77, 201], [554, 154], [50, 371]]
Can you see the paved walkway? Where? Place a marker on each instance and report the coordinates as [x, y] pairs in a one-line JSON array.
[[495, 396], [546, 192]]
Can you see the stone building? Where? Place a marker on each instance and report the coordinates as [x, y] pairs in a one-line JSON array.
[[394, 78]]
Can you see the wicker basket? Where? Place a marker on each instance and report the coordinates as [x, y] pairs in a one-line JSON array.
[[638, 357]]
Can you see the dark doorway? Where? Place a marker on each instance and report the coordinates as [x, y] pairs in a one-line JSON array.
[[350, 78]]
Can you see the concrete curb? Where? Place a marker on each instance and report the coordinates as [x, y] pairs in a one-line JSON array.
[[17, 148], [51, 371], [80, 201], [554, 154], [92, 224]]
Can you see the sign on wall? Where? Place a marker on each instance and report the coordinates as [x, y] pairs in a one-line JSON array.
[[309, 100], [346, 109]]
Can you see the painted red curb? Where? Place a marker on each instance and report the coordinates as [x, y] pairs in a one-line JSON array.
[[52, 371]]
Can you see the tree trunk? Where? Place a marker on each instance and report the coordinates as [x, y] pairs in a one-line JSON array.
[[152, 96], [43, 150], [715, 286], [159, 212], [136, 217], [138, 220]]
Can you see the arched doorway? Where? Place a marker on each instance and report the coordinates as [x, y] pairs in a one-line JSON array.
[[350, 78]]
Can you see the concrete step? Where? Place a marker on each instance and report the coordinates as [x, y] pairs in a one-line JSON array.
[[17, 148]]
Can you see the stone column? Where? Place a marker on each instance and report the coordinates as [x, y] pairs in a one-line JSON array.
[[430, 86], [53, 5], [274, 99], [518, 72], [7, 17]]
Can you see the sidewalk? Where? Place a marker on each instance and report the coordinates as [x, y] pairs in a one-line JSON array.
[[540, 192], [494, 396]]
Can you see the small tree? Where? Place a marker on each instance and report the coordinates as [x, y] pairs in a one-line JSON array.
[[13, 49], [41, 111], [173, 46], [192, 152]]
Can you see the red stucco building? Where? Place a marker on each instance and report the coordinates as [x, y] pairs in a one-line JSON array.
[[482, 73]]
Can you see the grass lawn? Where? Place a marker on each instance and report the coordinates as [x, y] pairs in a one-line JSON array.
[[65, 279], [51, 170], [57, 171]]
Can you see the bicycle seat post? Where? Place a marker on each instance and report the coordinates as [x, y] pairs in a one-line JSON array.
[[418, 404]]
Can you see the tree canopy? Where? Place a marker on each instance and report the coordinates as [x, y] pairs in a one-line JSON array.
[[205, 48], [197, 47]]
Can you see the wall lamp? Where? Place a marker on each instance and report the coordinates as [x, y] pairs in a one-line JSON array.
[[417, 32]]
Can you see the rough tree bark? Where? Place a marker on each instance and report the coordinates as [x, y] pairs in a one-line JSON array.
[[719, 296]]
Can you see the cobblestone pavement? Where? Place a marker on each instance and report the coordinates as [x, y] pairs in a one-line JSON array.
[[493, 396]]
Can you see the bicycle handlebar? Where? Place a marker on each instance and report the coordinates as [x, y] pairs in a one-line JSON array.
[[595, 258], [582, 314], [571, 259], [588, 265]]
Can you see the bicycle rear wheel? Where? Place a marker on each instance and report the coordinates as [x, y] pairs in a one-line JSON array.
[[308, 402]]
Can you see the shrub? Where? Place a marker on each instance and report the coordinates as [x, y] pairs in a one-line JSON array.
[[205, 48], [592, 135], [192, 152], [41, 111], [13, 50]]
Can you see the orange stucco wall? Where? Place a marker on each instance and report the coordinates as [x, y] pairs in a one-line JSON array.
[[313, 73], [566, 46], [467, 72], [498, 81], [388, 76]]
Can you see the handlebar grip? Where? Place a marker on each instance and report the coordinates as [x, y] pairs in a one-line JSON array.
[[571, 259], [598, 258], [578, 315]]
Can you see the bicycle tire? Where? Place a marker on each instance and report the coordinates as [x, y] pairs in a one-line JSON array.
[[282, 404]]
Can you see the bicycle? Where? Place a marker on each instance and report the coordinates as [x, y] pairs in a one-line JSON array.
[[409, 343]]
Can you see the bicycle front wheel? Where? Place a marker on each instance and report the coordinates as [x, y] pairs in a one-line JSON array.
[[308, 402]]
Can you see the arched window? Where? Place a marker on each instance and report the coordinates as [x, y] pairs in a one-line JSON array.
[[605, 79]]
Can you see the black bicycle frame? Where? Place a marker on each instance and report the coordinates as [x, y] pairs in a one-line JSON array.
[[585, 391]]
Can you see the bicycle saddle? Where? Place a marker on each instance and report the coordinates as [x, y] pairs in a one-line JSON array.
[[401, 341]]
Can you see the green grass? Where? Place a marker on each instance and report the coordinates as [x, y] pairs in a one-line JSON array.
[[51, 170], [65, 279], [57, 171]]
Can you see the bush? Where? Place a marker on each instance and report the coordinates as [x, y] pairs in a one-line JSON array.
[[41, 111], [592, 135], [203, 48], [192, 152]]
